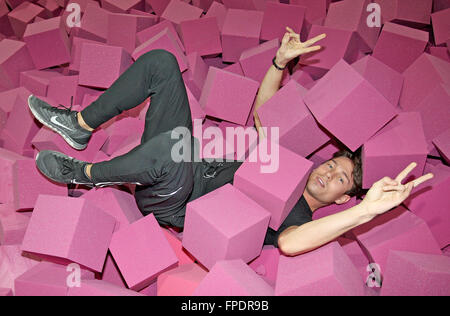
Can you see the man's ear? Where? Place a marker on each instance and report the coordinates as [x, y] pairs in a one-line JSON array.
[[343, 199]]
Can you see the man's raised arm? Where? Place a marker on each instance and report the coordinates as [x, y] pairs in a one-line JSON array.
[[291, 47], [382, 196]]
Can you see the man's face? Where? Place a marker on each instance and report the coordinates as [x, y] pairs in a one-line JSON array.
[[329, 182]]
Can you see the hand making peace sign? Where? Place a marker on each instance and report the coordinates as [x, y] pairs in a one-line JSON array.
[[291, 47], [388, 193]]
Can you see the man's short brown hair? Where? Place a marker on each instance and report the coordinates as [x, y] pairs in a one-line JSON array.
[[355, 157]]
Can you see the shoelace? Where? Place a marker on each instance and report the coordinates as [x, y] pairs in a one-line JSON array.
[[69, 109]]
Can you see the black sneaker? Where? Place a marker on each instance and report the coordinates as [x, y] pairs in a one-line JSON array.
[[64, 122], [62, 168]]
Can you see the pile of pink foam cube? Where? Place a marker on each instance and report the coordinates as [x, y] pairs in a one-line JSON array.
[[381, 81]]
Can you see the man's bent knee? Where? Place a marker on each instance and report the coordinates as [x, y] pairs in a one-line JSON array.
[[160, 58]]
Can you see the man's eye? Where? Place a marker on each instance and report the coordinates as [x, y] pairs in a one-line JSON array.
[[342, 180]]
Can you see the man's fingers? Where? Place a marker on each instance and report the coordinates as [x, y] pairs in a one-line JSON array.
[[310, 49], [422, 179], [293, 32], [402, 175], [314, 40]]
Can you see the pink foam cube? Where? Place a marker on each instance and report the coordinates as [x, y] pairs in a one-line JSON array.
[[203, 4], [6, 292], [119, 204], [325, 271], [122, 29], [244, 4], [344, 102], [100, 288], [201, 36], [14, 263], [158, 5], [77, 43], [339, 44], [399, 46], [217, 101], [80, 234], [333, 209], [415, 12], [241, 31], [315, 9], [431, 274], [441, 26], [5, 26], [20, 128], [83, 4], [431, 203], [385, 79], [119, 131], [424, 75], [37, 81], [256, 61], [22, 15], [398, 229], [29, 183], [181, 281], [435, 112], [94, 23], [356, 255], [235, 68], [233, 278], [195, 76], [394, 147], [163, 40], [46, 279], [12, 225], [150, 255], [301, 76], [277, 191], [14, 58], [442, 143], [122, 6], [235, 226], [9, 98], [46, 139], [440, 52], [7, 161], [299, 132], [219, 11], [277, 16], [152, 31], [183, 256], [178, 11], [48, 43], [101, 65], [266, 265], [51, 8], [66, 91], [111, 273]]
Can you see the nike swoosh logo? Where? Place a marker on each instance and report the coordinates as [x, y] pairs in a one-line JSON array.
[[170, 194], [54, 120]]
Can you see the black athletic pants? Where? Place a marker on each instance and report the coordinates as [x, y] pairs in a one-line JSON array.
[[164, 185]]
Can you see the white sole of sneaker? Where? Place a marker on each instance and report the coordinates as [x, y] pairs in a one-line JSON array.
[[66, 138]]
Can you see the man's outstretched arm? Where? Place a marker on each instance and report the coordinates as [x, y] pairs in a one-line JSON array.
[[384, 195], [291, 47]]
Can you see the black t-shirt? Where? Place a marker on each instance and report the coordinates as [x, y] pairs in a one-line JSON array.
[[300, 214]]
